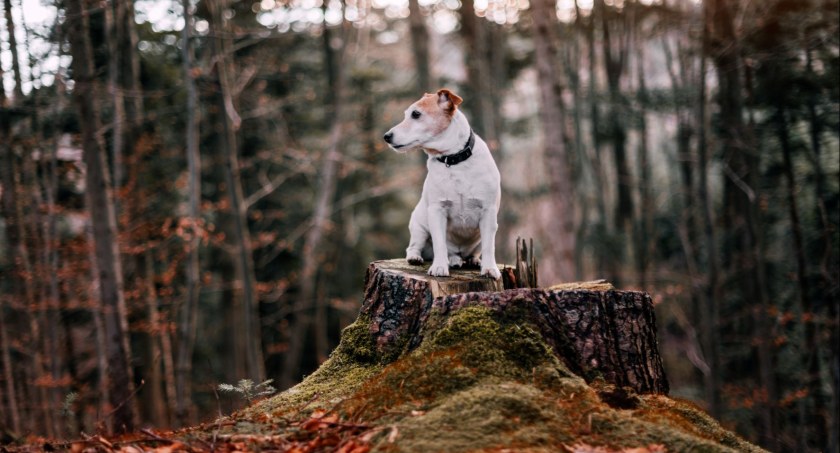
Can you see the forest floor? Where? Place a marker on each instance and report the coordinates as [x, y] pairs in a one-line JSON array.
[[476, 382]]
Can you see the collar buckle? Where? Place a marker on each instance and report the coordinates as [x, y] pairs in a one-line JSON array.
[[460, 156]]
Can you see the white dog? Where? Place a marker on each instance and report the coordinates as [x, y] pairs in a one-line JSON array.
[[461, 195]]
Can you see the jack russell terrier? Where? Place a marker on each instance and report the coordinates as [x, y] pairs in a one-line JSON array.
[[455, 221]]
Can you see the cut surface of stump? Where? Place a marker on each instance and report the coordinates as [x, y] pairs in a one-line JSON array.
[[598, 333]]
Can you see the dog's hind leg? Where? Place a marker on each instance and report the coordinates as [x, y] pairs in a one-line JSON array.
[[455, 259], [473, 260], [488, 227]]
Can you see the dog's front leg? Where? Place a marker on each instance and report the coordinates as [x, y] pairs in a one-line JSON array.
[[419, 236], [488, 227], [437, 229]]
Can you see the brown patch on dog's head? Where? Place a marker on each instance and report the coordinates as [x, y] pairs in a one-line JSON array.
[[424, 120], [448, 101], [428, 103]]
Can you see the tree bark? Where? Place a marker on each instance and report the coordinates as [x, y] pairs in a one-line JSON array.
[[709, 317], [615, 44], [644, 227], [115, 91], [103, 217], [188, 315], [604, 334], [479, 77], [308, 300], [156, 401], [7, 206], [420, 46], [741, 213], [810, 348], [552, 123], [243, 259], [10, 30]]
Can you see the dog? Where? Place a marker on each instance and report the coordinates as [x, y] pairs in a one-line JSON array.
[[454, 224]]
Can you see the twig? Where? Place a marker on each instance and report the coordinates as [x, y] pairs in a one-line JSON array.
[[119, 406], [154, 436], [218, 420]]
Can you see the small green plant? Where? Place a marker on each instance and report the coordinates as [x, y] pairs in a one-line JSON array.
[[248, 390], [67, 405], [67, 411]]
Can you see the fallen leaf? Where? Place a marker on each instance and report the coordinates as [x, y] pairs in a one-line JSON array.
[[392, 436]]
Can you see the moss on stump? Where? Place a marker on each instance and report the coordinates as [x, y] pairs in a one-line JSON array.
[[467, 377]]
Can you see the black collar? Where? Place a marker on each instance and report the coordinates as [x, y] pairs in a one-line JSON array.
[[460, 156]]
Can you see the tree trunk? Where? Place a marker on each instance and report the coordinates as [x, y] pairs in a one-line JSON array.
[[604, 334], [250, 331], [129, 70], [420, 47], [479, 86], [709, 318], [741, 210], [10, 31], [828, 266], [552, 122], [311, 254], [24, 278], [115, 91], [8, 282], [9, 375], [644, 243], [810, 348], [307, 300], [188, 315], [101, 208], [156, 402], [615, 45]]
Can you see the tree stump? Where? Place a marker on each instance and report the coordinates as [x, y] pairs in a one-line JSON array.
[[598, 332]]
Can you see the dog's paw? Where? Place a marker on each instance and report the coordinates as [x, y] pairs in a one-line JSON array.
[[439, 270], [473, 262], [414, 260], [455, 261], [491, 272]]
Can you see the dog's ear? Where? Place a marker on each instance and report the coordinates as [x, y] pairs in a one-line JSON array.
[[448, 101]]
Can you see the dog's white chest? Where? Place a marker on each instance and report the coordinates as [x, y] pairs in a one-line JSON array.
[[462, 196]]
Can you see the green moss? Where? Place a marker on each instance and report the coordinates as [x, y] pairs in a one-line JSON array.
[[491, 346], [687, 416], [483, 381], [414, 382], [352, 363], [620, 430], [483, 416], [357, 343]]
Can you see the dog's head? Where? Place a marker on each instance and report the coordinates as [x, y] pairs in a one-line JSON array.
[[424, 120]]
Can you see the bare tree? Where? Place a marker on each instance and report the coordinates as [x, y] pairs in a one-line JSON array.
[[615, 49], [710, 316], [420, 46], [243, 259], [103, 217], [188, 317], [7, 181], [552, 121], [480, 84], [307, 300], [741, 201], [10, 30]]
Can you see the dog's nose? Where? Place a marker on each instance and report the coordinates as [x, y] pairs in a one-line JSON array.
[[388, 137]]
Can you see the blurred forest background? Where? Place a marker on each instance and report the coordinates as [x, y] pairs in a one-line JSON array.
[[192, 189]]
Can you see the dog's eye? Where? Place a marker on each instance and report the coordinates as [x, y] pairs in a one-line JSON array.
[[415, 114]]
